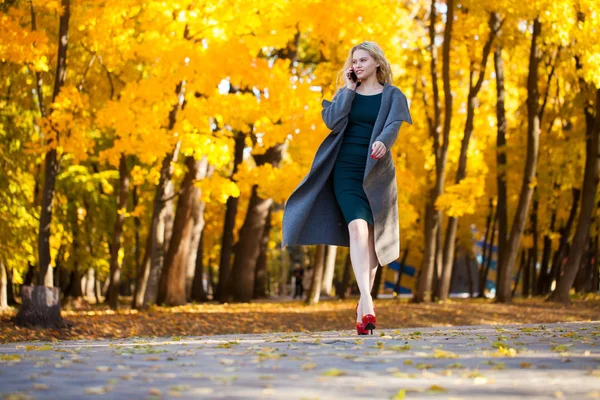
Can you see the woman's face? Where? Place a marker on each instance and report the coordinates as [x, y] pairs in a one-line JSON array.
[[363, 64]]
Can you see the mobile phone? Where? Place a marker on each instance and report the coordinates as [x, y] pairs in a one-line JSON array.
[[353, 76]]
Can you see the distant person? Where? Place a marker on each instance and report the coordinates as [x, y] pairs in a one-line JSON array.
[[352, 180], [298, 278], [307, 279]]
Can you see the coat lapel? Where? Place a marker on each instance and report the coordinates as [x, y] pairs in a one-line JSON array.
[[379, 121]]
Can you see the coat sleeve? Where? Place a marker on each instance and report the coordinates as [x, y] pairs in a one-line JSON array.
[[398, 112], [336, 111]]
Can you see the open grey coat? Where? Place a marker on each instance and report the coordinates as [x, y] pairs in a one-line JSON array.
[[312, 214]]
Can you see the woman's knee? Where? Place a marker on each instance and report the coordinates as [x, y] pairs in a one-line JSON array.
[[358, 229]]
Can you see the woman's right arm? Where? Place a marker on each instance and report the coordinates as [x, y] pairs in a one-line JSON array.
[[336, 111]]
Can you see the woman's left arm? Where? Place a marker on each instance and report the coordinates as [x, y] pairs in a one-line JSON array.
[[398, 112]]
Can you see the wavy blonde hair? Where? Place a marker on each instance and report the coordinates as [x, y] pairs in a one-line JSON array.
[[384, 71]]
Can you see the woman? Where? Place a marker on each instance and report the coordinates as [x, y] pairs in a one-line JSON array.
[[349, 197]]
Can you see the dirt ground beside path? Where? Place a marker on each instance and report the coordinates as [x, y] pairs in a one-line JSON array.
[[293, 316]]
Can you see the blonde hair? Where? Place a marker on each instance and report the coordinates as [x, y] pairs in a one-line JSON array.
[[384, 71]]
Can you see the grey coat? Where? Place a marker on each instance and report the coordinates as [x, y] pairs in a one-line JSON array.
[[312, 214]]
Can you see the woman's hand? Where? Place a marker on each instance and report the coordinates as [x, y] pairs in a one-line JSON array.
[[349, 84], [378, 150]]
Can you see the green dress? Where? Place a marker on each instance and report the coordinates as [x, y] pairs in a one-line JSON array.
[[349, 167]]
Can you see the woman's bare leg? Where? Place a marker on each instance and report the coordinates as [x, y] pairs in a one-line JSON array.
[[360, 258], [372, 258]]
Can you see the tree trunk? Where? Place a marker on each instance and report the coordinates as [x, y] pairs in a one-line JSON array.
[[327, 284], [229, 224], [521, 267], [39, 312], [432, 216], [40, 308], [10, 288], [3, 286], [469, 274], [488, 259], [188, 220], [247, 248], [533, 136], [52, 164], [115, 264], [595, 271], [565, 232], [376, 283], [147, 278], [345, 278], [137, 242], [501, 207], [590, 185], [196, 236], [401, 270], [543, 283], [314, 292], [260, 271], [486, 243], [198, 293], [461, 173]]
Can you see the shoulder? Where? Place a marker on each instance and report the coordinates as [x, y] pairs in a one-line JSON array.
[[396, 92]]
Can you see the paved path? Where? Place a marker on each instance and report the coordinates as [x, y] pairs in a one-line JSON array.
[[472, 362]]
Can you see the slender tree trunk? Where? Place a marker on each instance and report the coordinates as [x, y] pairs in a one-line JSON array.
[[314, 291], [461, 173], [228, 225], [518, 277], [10, 288], [485, 245], [469, 274], [345, 278], [488, 259], [197, 233], [115, 264], [198, 293], [188, 218], [147, 279], [52, 164], [534, 248], [3, 286], [501, 207], [401, 270], [376, 283], [565, 232], [327, 283], [260, 271], [533, 136], [595, 271], [543, 283], [247, 248], [41, 306], [137, 242], [590, 185], [432, 216]]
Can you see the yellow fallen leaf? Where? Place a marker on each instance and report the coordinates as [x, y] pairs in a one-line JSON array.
[[400, 395], [436, 389], [438, 353], [333, 372], [308, 366]]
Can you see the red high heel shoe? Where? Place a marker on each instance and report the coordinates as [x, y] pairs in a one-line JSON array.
[[369, 321], [360, 328]]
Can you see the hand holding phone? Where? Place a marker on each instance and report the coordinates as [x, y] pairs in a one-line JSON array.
[[351, 78]]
